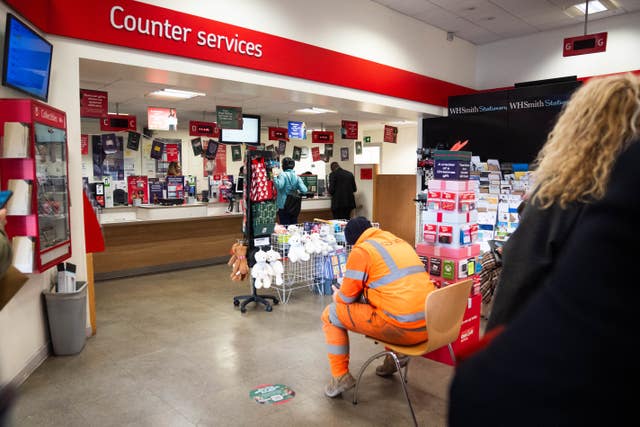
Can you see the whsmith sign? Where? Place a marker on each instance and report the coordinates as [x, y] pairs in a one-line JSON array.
[[509, 125], [469, 107]]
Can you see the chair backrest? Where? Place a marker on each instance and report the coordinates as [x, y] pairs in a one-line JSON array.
[[444, 310]]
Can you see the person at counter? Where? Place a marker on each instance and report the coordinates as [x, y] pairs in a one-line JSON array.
[[287, 181], [174, 169], [342, 186]]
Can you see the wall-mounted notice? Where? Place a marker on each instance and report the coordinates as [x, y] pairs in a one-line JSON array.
[[315, 154], [229, 117], [349, 129], [297, 130], [276, 134], [93, 103], [344, 153], [322, 137], [209, 129], [390, 134]]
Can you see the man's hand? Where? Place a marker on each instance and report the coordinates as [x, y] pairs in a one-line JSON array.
[[335, 293]]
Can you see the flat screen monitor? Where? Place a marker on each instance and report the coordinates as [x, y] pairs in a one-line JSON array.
[[161, 118], [27, 59], [249, 134], [239, 185]]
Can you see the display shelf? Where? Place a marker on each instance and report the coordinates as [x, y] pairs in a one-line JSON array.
[[33, 163]]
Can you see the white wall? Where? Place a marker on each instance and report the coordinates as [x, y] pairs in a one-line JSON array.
[[399, 158], [356, 27], [539, 56]]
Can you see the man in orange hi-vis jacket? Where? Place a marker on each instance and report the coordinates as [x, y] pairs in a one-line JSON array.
[[382, 295]]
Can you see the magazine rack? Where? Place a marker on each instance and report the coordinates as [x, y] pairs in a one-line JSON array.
[[254, 238]]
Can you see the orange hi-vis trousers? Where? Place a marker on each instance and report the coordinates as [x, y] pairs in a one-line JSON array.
[[337, 318]]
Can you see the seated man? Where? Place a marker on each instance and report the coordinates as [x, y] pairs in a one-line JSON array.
[[382, 295]]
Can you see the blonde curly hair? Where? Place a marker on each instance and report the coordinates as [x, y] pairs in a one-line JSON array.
[[599, 122]]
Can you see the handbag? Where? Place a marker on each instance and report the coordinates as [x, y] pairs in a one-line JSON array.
[[293, 203]]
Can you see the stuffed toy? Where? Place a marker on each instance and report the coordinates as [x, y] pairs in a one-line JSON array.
[[296, 249], [261, 271], [309, 244], [238, 262], [274, 259]]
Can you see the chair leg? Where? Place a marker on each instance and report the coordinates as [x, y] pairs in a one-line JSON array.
[[406, 371], [453, 356], [364, 366], [403, 381]]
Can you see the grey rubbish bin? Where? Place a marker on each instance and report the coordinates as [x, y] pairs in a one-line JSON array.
[[67, 313]]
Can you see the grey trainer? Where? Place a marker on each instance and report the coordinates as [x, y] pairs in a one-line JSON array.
[[388, 367], [337, 385]]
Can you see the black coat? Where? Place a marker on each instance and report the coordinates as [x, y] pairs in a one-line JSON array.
[[342, 185], [529, 255], [566, 358]]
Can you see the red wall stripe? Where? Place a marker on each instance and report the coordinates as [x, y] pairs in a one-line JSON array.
[[90, 21]]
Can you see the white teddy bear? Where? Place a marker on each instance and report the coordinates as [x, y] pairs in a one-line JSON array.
[[296, 249], [261, 271], [273, 257]]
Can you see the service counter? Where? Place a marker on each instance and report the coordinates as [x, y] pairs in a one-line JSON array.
[[150, 238]]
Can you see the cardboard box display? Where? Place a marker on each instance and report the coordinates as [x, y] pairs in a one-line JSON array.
[[449, 217], [448, 252]]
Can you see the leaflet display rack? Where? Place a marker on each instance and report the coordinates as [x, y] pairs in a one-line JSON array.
[[33, 163], [258, 224]]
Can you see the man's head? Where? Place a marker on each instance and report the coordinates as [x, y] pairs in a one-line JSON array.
[[354, 229], [288, 163], [334, 166]]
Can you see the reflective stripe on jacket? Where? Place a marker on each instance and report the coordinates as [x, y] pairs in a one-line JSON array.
[[389, 273]]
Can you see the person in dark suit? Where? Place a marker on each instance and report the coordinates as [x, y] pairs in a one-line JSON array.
[[342, 186], [556, 362]]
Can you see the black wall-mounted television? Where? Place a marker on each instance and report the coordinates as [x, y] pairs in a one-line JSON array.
[[249, 134], [27, 59]]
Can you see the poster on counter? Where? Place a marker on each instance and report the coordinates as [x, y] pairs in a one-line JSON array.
[[138, 192]]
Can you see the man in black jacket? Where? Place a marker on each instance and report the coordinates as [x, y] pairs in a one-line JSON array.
[[342, 185]]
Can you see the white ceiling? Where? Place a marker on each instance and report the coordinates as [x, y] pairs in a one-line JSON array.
[[486, 21], [128, 86]]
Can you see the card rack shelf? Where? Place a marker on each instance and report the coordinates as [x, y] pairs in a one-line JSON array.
[[33, 161]]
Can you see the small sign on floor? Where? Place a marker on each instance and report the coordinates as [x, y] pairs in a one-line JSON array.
[[272, 394]]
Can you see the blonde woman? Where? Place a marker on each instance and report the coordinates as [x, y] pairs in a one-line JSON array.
[[599, 122]]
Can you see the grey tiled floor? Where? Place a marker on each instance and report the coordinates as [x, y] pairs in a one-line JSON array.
[[172, 350]]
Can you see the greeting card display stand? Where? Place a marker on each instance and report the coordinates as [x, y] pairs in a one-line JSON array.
[[259, 220]]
